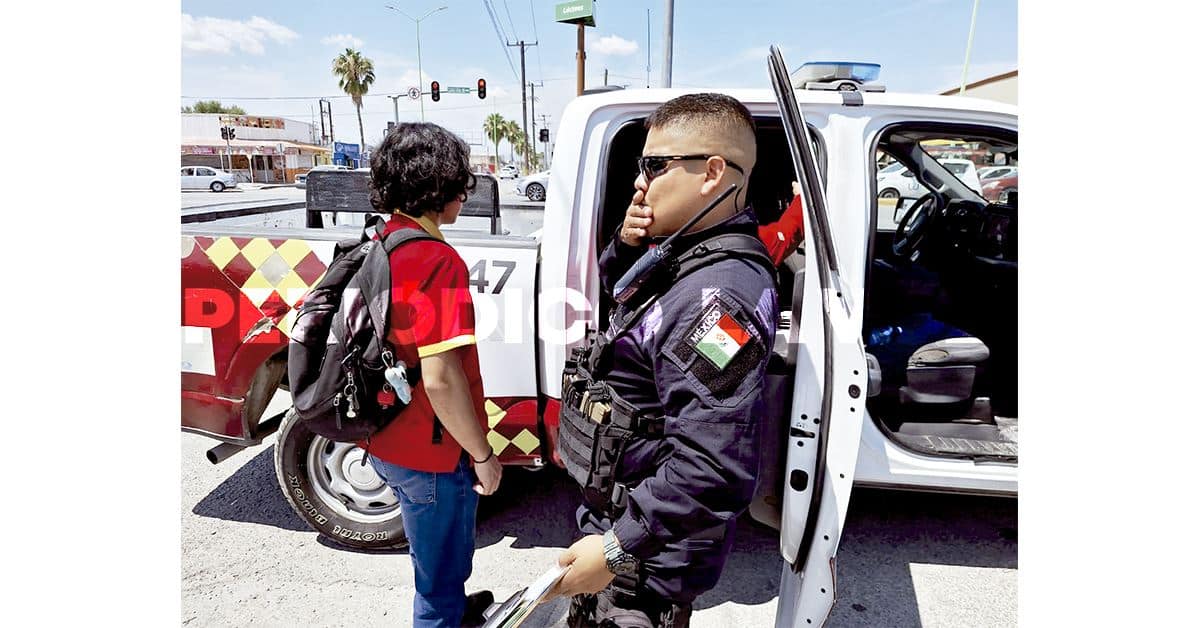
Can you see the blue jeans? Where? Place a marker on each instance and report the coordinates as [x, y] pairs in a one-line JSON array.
[[439, 520]]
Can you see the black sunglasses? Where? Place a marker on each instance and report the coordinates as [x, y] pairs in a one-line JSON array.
[[652, 166]]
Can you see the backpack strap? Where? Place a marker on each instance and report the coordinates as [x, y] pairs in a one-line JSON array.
[[376, 226], [393, 241]]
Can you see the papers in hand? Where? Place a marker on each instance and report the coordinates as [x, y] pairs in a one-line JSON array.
[[515, 609]]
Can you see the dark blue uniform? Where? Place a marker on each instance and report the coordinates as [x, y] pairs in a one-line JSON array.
[[697, 357]]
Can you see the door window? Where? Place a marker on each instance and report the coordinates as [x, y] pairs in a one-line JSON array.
[[185, 172], [204, 172]]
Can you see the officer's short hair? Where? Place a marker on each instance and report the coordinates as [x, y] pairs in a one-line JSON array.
[[707, 110], [419, 167]]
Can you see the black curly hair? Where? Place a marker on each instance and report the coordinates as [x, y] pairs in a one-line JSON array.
[[419, 167]]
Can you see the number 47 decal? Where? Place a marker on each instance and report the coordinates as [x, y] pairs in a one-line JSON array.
[[479, 274]]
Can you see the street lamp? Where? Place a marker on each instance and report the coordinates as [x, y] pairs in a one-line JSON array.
[[420, 78]]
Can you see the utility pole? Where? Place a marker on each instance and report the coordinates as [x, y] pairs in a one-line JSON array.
[[524, 108], [580, 55], [327, 110], [533, 116], [647, 48], [395, 108], [606, 77], [668, 41]]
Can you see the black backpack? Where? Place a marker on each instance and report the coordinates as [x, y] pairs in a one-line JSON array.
[[339, 351]]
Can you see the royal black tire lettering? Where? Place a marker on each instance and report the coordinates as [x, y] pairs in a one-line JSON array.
[[291, 472]]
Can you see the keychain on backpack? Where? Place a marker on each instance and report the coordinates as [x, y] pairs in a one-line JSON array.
[[397, 377]]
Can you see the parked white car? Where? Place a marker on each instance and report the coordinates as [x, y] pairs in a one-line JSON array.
[[533, 186], [508, 172], [203, 177], [302, 178], [899, 182]]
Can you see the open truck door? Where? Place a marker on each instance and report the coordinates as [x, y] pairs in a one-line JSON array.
[[828, 398]]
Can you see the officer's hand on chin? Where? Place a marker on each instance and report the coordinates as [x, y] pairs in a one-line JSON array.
[[637, 218], [588, 571]]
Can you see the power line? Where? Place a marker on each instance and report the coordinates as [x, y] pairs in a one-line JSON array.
[[533, 18], [503, 39], [510, 22]]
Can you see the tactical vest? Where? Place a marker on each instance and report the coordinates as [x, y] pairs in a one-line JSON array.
[[596, 424]]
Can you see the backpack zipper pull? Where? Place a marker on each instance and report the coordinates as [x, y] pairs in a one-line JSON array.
[[365, 450]]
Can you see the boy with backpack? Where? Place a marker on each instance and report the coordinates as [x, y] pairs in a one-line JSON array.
[[383, 354], [421, 175]]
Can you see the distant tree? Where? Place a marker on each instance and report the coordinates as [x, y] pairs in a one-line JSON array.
[[355, 74], [213, 106], [496, 129], [516, 139]]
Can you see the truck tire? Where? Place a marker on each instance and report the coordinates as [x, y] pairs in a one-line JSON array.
[[327, 485]]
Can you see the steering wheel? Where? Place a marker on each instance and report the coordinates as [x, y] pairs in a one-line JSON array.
[[914, 226]]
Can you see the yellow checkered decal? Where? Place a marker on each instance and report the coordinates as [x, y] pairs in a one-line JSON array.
[[525, 440], [274, 274]]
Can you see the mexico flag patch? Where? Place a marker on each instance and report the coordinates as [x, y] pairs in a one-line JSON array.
[[719, 338]]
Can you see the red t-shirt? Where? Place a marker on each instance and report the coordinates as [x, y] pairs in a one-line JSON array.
[[784, 235], [431, 312]]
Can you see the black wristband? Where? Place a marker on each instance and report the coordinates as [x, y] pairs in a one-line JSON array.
[[491, 454]]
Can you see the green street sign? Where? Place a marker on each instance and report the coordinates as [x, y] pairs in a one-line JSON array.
[[457, 90], [576, 12]]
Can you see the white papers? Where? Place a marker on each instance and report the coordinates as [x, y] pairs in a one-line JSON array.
[[516, 608]]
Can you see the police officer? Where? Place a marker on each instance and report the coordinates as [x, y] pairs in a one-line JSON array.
[[661, 413]]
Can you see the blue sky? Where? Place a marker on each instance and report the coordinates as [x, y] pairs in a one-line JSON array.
[[273, 58]]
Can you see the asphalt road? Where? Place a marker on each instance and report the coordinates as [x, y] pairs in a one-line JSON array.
[[907, 559]]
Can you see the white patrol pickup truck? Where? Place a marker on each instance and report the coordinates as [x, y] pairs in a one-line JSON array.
[[895, 364]]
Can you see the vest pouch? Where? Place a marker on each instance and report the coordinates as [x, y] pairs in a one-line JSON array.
[[576, 438]]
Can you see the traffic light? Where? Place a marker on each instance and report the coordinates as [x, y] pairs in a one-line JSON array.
[[224, 132], [435, 91], [482, 89], [544, 135], [231, 136]]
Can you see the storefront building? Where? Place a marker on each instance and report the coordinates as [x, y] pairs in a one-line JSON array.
[[264, 149], [1002, 87]]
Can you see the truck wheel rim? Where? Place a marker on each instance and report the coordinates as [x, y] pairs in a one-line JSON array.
[[345, 485]]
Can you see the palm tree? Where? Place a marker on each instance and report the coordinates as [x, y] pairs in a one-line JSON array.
[[495, 129], [355, 74], [516, 138]]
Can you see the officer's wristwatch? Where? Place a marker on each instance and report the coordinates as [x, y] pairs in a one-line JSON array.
[[616, 559]]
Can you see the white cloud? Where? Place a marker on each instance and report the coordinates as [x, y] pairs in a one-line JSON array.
[[615, 46], [342, 40], [217, 35]]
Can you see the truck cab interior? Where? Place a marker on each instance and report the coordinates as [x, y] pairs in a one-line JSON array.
[[940, 315], [940, 310]]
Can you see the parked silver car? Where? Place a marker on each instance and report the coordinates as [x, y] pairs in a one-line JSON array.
[[202, 177], [533, 186]]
